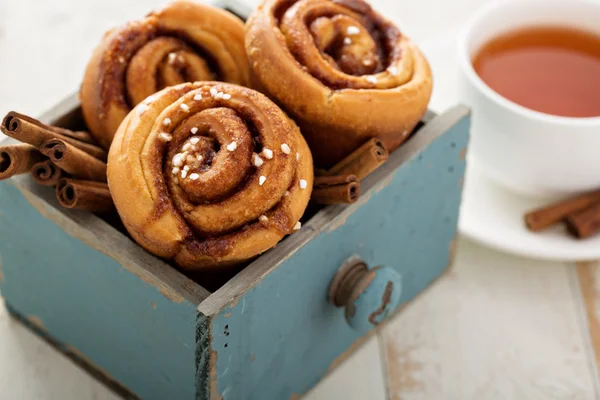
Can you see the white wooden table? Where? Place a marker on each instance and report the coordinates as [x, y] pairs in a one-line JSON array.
[[494, 327]]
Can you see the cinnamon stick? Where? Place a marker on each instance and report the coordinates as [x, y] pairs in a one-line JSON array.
[[46, 173], [17, 159], [28, 130], [76, 162], [78, 135], [363, 161], [542, 218], [584, 223], [339, 189], [84, 195]]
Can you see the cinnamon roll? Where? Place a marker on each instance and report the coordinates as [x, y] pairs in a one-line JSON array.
[[342, 70], [209, 174], [183, 42]]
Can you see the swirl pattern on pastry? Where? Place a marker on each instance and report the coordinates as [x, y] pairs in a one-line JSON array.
[[182, 42], [341, 69], [209, 174]]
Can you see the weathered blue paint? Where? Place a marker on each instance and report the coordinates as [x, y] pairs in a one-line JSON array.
[[93, 306], [376, 302], [280, 337]]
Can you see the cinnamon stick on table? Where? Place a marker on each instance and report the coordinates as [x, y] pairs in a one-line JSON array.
[[28, 130], [542, 218], [340, 189], [363, 161], [17, 159], [46, 173], [85, 195], [584, 223], [74, 161]]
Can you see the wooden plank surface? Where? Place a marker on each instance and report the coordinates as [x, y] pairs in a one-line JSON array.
[[495, 327], [360, 377], [588, 279]]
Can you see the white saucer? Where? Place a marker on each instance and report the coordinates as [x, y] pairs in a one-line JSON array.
[[493, 216]]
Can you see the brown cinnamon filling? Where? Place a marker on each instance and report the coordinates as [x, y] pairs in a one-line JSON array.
[[339, 40], [207, 158], [145, 59], [214, 172]]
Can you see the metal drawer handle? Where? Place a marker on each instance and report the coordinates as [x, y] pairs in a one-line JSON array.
[[368, 295]]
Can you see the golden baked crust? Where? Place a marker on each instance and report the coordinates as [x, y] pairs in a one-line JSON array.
[[343, 71], [182, 42], [229, 205]]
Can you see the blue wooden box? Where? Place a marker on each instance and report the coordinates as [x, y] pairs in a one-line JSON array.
[[270, 332]]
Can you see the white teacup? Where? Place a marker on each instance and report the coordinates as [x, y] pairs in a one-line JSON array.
[[525, 150]]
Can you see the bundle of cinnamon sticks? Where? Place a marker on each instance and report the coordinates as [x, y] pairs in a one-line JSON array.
[[69, 160], [341, 183], [581, 215]]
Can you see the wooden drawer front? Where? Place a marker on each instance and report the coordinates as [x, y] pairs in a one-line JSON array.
[[281, 336], [106, 312]]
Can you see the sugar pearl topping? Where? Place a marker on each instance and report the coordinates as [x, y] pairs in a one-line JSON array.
[[172, 57], [256, 160], [352, 30], [165, 136], [347, 41], [178, 159], [303, 183], [194, 176], [198, 97], [187, 146], [263, 218], [183, 173], [393, 70], [297, 226], [261, 180], [226, 96], [213, 92], [268, 153], [195, 140], [371, 79], [232, 146], [184, 107], [285, 148], [167, 121], [194, 130]]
